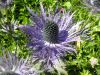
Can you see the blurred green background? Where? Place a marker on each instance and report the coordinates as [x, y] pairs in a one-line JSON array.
[[78, 64]]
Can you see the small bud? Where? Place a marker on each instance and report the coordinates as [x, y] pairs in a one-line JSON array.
[[61, 10]]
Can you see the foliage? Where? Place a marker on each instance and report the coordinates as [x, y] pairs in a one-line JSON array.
[[76, 64]]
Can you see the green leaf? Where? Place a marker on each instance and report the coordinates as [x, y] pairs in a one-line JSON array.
[[67, 4]]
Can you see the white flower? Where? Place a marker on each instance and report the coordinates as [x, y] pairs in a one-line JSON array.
[[93, 62]]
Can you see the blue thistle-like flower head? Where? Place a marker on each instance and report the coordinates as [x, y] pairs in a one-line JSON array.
[[4, 3], [11, 65], [50, 37], [94, 5]]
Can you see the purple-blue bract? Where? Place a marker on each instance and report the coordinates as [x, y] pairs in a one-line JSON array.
[[10, 64], [5, 3], [45, 50], [94, 5]]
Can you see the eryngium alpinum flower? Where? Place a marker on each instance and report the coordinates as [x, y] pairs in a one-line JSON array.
[[50, 37], [4, 3], [11, 65], [94, 5]]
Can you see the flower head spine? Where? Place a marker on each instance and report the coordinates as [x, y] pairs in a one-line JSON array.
[[10, 64], [94, 5], [5, 3]]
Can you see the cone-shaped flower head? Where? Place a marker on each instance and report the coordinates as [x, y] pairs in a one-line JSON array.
[[50, 36], [94, 5], [11, 65], [4, 3]]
